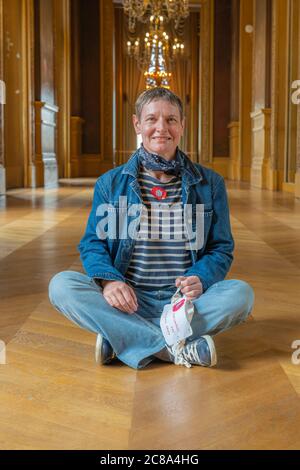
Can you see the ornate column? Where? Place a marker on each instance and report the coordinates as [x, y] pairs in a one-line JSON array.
[[245, 89], [118, 87], [46, 168], [2, 104], [261, 121], [45, 129], [275, 170], [106, 84], [73, 166], [261, 112], [62, 37], [192, 146], [297, 175], [234, 170], [17, 64], [241, 79], [28, 93], [234, 125], [206, 81]]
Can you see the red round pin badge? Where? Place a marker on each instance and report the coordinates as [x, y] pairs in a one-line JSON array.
[[158, 192]]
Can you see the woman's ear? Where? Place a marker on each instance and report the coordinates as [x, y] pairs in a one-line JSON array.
[[183, 123], [136, 124]]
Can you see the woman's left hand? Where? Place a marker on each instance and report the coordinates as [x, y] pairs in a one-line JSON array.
[[191, 286]]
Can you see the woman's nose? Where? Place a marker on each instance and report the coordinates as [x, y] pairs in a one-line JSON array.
[[161, 124]]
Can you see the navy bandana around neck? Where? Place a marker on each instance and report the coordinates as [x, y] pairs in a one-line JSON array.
[[154, 162]]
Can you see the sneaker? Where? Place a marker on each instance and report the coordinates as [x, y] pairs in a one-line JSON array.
[[201, 352], [104, 353]]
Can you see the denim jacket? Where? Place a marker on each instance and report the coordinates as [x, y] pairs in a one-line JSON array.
[[110, 258]]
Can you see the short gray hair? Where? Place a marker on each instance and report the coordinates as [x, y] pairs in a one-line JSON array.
[[154, 94]]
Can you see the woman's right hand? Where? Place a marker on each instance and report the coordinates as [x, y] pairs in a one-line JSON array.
[[120, 295]]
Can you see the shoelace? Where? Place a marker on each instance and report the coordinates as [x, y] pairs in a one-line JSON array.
[[191, 353], [184, 355]]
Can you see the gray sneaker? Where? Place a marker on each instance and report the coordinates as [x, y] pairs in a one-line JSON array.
[[104, 353], [200, 352]]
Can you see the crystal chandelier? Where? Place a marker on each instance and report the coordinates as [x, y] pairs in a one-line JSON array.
[[157, 50], [139, 10], [155, 53]]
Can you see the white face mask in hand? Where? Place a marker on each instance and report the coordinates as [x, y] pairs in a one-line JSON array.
[[176, 318]]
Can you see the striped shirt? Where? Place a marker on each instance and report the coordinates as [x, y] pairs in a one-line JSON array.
[[160, 254]]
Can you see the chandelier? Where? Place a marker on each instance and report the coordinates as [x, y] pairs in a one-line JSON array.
[[157, 50], [138, 10]]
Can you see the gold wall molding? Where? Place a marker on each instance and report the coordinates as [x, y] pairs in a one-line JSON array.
[[76, 147], [79, 164], [28, 89], [45, 156], [194, 100], [278, 94], [2, 167], [106, 81], [234, 165], [241, 83], [17, 57], [37, 167], [297, 175], [235, 76], [118, 134], [206, 75], [128, 83], [260, 163], [62, 58], [245, 90]]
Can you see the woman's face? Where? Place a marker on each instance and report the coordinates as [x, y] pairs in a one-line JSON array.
[[160, 127]]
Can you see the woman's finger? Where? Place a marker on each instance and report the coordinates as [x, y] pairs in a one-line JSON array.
[[133, 295], [129, 300], [115, 302]]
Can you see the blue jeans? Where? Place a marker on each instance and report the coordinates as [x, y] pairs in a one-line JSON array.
[[136, 338]]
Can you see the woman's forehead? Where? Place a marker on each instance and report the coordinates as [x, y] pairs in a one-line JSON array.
[[157, 106]]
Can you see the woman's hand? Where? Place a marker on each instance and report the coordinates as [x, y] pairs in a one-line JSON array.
[[120, 295], [191, 286]]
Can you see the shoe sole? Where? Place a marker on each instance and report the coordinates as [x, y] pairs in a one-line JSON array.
[[98, 348], [212, 350]]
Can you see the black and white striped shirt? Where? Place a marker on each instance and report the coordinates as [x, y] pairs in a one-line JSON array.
[[160, 254]]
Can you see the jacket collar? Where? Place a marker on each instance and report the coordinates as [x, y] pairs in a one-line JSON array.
[[190, 174]]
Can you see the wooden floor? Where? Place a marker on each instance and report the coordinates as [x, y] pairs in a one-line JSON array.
[[53, 396]]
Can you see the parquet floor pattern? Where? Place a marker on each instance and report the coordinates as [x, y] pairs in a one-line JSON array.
[[52, 394]]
